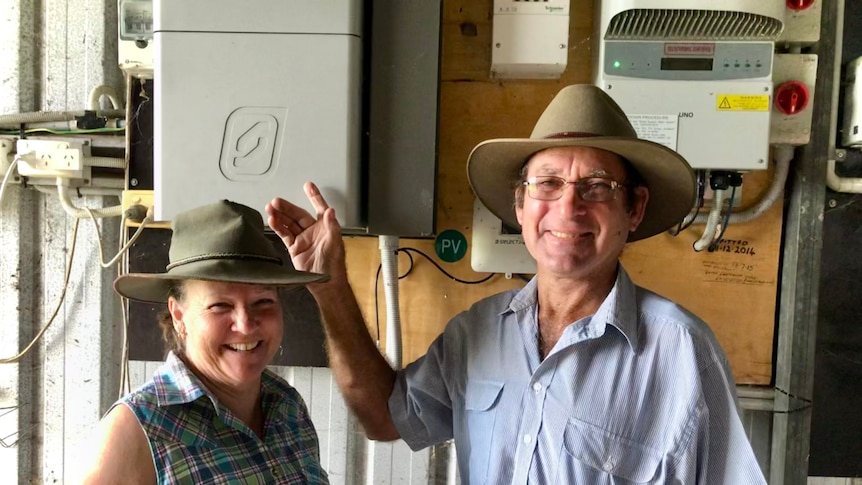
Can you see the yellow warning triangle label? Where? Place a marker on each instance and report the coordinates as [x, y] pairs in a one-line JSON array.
[[725, 104]]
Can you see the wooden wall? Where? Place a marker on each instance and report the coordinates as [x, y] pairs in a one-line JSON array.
[[734, 290]]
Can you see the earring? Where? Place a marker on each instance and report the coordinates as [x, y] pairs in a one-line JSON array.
[[280, 350]]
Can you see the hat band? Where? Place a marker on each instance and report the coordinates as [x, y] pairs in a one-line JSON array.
[[240, 256], [571, 134]]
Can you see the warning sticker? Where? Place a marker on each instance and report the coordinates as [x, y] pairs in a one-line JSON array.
[[742, 102]]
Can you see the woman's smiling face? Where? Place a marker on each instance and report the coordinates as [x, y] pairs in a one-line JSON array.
[[231, 331]]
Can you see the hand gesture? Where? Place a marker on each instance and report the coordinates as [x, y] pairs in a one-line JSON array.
[[314, 242]]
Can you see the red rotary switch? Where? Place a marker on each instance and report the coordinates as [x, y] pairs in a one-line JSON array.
[[799, 4], [791, 97]]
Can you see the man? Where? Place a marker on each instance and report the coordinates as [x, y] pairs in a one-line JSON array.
[[580, 377]]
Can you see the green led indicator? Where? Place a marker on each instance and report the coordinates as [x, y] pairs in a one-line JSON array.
[[616, 64]]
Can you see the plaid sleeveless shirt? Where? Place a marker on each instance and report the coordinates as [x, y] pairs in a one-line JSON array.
[[195, 439]]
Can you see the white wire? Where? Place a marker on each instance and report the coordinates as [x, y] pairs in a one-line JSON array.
[[10, 360], [122, 268], [6, 178], [123, 248]]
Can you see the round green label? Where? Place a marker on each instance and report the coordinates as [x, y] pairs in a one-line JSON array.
[[450, 245]]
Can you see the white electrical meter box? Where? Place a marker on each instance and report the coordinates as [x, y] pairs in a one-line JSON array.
[[697, 81], [135, 47], [254, 98], [530, 39]]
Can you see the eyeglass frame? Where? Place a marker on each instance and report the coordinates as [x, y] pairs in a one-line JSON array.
[[581, 185]]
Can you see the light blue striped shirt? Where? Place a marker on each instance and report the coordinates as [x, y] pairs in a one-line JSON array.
[[640, 392]]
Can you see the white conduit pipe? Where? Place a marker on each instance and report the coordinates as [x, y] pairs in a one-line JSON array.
[[712, 222], [851, 185], [105, 162], [78, 213], [783, 155], [104, 90], [13, 120], [389, 267], [97, 191]]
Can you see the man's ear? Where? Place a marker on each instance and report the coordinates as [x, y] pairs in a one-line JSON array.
[[638, 206]]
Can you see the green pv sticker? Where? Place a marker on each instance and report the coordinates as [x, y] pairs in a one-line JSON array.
[[450, 245]]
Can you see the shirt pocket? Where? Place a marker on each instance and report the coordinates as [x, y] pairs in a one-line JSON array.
[[602, 458], [480, 401]]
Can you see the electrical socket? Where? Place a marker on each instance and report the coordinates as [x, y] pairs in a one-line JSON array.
[[48, 158], [145, 198]]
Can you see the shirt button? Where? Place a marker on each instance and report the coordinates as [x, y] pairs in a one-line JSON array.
[[537, 387], [527, 438], [608, 466]]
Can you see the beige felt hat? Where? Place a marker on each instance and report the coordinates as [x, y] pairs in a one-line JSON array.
[[584, 115], [224, 242]]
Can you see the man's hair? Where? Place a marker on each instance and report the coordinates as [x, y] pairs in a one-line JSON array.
[[632, 181], [172, 340]]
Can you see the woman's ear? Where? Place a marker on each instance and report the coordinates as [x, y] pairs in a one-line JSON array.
[[176, 311]]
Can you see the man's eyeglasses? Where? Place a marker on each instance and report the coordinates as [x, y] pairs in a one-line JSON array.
[[590, 189]]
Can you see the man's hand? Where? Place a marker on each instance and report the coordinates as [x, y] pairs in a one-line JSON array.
[[314, 243]]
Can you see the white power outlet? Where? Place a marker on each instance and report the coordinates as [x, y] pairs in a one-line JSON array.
[[48, 158]]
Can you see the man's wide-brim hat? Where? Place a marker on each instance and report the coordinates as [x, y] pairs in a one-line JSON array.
[[222, 242], [585, 116]]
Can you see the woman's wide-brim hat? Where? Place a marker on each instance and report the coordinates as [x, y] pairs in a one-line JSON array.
[[222, 242], [584, 115]]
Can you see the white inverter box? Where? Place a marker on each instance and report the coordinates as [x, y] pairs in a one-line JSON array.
[[252, 99]]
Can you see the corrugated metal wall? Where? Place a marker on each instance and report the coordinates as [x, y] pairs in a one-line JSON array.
[[52, 53]]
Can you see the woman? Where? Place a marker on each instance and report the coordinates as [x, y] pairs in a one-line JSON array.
[[213, 413]]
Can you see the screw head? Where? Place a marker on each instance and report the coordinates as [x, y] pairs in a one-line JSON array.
[[133, 182]]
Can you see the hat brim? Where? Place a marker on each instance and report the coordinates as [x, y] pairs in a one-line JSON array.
[[154, 287], [493, 167]]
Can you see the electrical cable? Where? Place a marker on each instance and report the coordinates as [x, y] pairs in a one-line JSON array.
[[407, 251], [726, 222], [6, 178], [459, 280], [10, 360], [123, 268], [52, 131], [123, 248], [689, 219]]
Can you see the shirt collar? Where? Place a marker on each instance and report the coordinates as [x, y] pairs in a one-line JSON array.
[[177, 384], [619, 309]]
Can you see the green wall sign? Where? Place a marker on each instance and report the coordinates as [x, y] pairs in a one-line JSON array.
[[450, 246]]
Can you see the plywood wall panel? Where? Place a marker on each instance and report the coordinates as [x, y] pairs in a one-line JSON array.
[[739, 307]]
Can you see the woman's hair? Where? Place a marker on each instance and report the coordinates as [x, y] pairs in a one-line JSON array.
[[173, 342]]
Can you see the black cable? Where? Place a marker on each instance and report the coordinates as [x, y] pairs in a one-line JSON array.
[[407, 251], [459, 280], [714, 245]]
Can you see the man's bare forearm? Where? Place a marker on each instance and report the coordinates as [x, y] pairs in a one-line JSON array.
[[362, 373]]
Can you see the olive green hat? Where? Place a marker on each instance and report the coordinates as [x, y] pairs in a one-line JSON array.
[[224, 242]]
